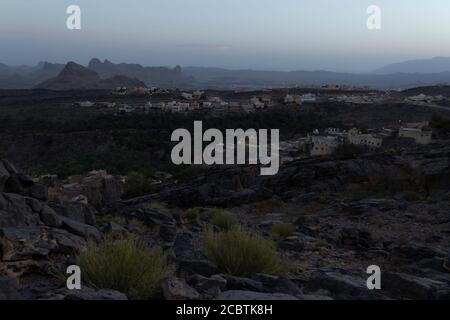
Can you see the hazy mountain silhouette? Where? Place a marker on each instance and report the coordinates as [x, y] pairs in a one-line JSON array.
[[77, 77], [222, 78], [160, 76], [396, 76], [434, 65]]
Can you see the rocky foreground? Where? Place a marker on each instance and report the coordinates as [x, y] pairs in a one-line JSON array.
[[387, 209]]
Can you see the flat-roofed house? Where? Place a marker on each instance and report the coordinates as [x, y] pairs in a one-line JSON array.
[[323, 145], [421, 136]]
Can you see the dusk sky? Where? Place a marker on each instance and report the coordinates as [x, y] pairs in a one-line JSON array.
[[257, 34]]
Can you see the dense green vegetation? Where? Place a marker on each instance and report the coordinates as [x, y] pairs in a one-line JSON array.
[[242, 253], [126, 265], [137, 143]]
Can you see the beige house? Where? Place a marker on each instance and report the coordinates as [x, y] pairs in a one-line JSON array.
[[367, 140], [323, 145], [419, 135]]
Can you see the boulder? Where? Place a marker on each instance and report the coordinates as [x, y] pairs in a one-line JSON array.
[[417, 252], [161, 218], [240, 295], [17, 210], [176, 289], [208, 287], [50, 218], [293, 243], [245, 284], [115, 229], [9, 288], [203, 267], [80, 229], [277, 284], [77, 211], [84, 294], [408, 286], [341, 286], [36, 242], [4, 175]]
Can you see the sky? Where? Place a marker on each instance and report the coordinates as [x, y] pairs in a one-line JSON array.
[[235, 34]]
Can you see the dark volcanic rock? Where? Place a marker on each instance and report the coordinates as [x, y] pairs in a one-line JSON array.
[[17, 210], [203, 267], [239, 295], [80, 229], [209, 287], [9, 288], [84, 294], [412, 287], [342, 286], [80, 212], [240, 283], [162, 219], [177, 289]]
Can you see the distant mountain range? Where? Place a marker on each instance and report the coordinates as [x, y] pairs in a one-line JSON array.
[[220, 78], [424, 66], [96, 75], [75, 76], [105, 74]]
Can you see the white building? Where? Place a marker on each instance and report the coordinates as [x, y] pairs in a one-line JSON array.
[[126, 108], [198, 94], [293, 99], [419, 135], [323, 145], [120, 91], [207, 104], [257, 103], [187, 96], [368, 140], [308, 98], [86, 104]]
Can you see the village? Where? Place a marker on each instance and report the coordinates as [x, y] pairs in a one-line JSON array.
[[329, 141], [316, 143], [216, 104]]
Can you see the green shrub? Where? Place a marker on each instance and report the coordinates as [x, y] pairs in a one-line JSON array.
[[223, 219], [137, 184], [241, 253], [282, 230], [126, 265], [192, 213]]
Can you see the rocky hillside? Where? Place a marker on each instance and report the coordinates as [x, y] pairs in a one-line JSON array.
[[160, 76], [346, 214], [77, 77]]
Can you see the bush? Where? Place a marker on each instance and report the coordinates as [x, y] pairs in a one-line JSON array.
[[223, 219], [137, 184], [282, 230], [241, 253], [192, 213], [126, 265]]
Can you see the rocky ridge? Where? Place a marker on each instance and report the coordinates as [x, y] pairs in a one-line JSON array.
[[386, 210]]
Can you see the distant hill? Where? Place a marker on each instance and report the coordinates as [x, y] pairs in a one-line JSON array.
[[429, 90], [222, 78], [107, 74], [23, 77], [77, 77], [158, 76], [434, 65]]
